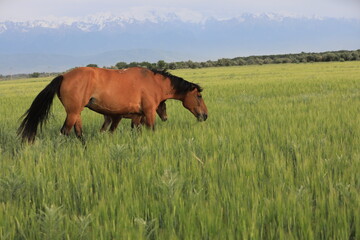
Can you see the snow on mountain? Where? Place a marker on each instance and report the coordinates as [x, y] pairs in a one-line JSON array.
[[101, 21], [3, 27]]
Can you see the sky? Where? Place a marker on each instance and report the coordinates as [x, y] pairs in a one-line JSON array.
[[22, 10]]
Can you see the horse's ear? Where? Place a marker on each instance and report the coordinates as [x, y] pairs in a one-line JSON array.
[[193, 87]]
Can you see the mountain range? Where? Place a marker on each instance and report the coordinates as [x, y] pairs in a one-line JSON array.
[[54, 45]]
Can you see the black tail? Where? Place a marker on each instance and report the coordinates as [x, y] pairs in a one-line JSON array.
[[39, 110]]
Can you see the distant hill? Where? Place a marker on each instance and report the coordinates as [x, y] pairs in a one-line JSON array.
[[43, 62], [48, 45]]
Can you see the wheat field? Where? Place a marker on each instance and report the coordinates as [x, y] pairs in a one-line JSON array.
[[278, 158]]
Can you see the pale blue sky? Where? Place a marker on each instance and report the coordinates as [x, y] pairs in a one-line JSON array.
[[41, 9]]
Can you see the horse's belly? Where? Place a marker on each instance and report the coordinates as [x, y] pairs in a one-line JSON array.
[[113, 107]]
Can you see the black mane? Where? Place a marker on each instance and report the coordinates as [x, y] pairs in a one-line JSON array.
[[179, 84]]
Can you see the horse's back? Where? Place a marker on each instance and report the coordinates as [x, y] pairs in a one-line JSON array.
[[112, 90]]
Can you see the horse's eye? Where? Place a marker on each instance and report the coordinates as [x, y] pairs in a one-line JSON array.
[[199, 96]]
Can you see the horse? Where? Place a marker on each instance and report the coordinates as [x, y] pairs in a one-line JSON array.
[[136, 120], [133, 91]]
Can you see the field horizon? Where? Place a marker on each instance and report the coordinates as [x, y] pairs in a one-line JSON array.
[[278, 158]]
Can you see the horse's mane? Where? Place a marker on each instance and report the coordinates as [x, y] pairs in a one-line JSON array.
[[180, 85]]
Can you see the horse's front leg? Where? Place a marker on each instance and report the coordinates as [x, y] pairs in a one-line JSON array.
[[107, 121], [115, 122], [150, 116]]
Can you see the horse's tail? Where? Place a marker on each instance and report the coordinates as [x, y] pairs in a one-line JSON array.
[[39, 110]]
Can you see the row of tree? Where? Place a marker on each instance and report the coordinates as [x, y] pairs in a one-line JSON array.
[[252, 60], [238, 61]]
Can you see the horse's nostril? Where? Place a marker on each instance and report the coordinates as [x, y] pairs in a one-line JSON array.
[[202, 117]]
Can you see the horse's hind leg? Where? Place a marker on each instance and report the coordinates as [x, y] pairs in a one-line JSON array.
[[73, 120], [78, 129], [68, 124]]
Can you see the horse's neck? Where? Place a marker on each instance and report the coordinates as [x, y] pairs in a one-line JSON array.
[[172, 95], [170, 92]]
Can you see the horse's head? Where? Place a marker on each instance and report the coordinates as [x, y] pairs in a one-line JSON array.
[[194, 102], [189, 93], [161, 111]]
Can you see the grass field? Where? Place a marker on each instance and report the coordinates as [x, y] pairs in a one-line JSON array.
[[278, 158]]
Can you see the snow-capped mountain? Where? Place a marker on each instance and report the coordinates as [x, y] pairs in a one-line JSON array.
[[104, 39], [108, 21], [101, 21]]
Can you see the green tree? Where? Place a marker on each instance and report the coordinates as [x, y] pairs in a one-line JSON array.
[[161, 64], [146, 65], [328, 57], [207, 64], [134, 64], [35, 75], [92, 65], [224, 62], [318, 58], [355, 56], [192, 64], [268, 60], [310, 58], [172, 65], [121, 65]]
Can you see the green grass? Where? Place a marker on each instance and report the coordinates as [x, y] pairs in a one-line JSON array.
[[278, 158]]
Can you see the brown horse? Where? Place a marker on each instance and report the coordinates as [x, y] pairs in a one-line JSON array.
[[136, 120], [134, 91]]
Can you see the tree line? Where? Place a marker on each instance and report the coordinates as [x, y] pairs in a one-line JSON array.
[[331, 56], [303, 57]]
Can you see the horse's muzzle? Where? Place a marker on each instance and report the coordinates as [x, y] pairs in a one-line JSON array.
[[202, 117]]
